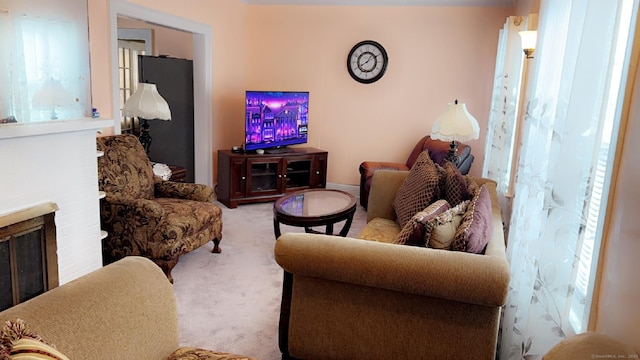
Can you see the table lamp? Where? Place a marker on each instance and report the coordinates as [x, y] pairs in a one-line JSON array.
[[455, 125], [147, 104], [51, 95]]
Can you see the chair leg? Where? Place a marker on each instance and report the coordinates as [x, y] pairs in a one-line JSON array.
[[167, 266], [216, 246]]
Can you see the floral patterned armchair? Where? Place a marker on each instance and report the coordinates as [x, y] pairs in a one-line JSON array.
[[147, 216]]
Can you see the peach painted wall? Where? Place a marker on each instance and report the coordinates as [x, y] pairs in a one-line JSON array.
[[166, 41], [227, 21], [436, 55]]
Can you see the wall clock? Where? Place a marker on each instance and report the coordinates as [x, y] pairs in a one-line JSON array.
[[367, 61]]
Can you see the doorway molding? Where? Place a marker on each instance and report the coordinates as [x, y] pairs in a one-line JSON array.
[[202, 92]]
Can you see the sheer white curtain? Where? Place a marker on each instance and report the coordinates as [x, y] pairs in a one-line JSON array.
[[37, 52], [501, 128], [566, 130]]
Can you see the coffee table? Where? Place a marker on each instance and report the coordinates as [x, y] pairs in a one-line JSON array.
[[314, 207]]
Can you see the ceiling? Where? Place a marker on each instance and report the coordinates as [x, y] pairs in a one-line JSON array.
[[499, 3]]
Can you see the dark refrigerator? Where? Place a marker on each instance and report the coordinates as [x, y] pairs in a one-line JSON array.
[[173, 141]]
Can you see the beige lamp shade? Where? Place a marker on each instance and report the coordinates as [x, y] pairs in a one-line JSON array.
[[147, 103], [528, 39], [456, 124]]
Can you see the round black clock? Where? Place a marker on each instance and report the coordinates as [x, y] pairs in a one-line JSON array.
[[367, 61]]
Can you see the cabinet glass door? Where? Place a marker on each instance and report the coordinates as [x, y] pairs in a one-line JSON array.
[[264, 176], [298, 173]]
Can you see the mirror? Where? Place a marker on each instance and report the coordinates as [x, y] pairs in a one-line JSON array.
[[44, 62]]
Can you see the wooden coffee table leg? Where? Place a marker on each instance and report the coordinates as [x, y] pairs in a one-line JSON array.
[[347, 225], [329, 230], [276, 228]]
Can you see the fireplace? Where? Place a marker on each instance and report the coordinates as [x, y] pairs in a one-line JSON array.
[[56, 163], [28, 257]]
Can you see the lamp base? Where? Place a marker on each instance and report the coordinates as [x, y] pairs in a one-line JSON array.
[[452, 156], [145, 137]]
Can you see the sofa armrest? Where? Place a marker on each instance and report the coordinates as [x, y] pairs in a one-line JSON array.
[[180, 190], [456, 276], [125, 310], [384, 186]]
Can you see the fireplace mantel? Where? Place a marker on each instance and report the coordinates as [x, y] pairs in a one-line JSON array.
[[14, 130]]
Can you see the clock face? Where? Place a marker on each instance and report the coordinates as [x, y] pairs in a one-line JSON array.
[[367, 61]]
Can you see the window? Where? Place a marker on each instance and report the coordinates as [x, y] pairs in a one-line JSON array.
[[588, 251], [128, 51]]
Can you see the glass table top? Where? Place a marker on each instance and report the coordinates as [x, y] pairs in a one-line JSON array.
[[315, 203]]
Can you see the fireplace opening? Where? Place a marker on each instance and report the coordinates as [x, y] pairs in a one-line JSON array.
[[28, 254]]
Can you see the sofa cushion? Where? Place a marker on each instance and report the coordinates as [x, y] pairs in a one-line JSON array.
[[413, 232], [190, 353], [454, 185], [476, 228], [440, 231], [419, 189], [380, 230], [17, 340]]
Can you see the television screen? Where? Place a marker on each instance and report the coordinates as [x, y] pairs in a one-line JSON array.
[[275, 119]]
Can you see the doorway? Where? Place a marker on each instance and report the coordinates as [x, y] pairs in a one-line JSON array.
[[203, 149]]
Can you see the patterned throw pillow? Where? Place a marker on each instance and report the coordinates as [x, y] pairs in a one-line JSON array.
[[19, 342], [419, 189], [439, 232], [472, 186], [190, 353], [476, 228], [413, 232], [454, 187]]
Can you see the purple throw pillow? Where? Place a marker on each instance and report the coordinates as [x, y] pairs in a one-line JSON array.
[[476, 228]]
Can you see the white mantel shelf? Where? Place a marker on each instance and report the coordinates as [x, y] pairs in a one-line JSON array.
[[15, 130]]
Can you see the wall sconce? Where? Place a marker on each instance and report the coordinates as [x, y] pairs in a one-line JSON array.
[[529, 39]]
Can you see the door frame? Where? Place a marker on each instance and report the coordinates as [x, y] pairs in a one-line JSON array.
[[202, 89]]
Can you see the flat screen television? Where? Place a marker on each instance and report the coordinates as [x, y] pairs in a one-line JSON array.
[[275, 119]]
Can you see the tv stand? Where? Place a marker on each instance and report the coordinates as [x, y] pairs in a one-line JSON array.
[[280, 150], [248, 178]]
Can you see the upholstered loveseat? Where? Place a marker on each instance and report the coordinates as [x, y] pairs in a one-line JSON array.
[[125, 310], [357, 299], [147, 216]]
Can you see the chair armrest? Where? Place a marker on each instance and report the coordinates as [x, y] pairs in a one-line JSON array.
[[145, 213], [451, 275], [384, 186], [368, 168], [180, 190]]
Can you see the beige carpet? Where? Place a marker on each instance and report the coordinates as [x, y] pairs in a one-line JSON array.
[[231, 301]]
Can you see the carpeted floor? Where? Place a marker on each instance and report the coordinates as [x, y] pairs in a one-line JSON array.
[[231, 301]]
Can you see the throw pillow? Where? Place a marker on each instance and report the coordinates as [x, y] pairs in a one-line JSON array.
[[454, 187], [472, 186], [419, 189], [413, 232], [477, 224], [191, 353], [440, 231], [19, 342]]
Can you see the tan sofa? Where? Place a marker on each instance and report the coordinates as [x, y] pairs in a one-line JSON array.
[[125, 310], [355, 299]]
